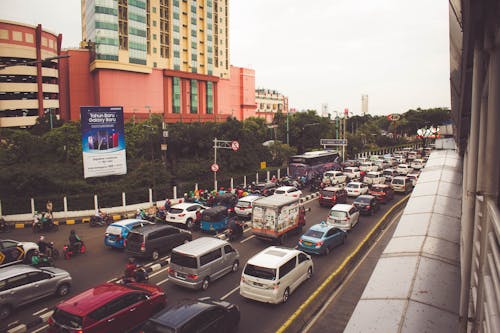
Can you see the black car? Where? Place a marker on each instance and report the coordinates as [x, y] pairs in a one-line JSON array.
[[202, 315], [366, 204], [264, 189], [151, 240]]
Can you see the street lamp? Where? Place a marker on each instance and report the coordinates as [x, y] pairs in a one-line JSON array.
[[49, 111]]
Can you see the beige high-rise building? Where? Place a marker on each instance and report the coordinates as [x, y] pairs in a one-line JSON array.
[[138, 35]]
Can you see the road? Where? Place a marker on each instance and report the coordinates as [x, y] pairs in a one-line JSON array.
[[101, 264]]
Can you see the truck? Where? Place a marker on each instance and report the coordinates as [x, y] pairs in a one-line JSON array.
[[276, 216]]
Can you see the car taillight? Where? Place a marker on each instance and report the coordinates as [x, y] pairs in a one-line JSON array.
[[334, 198], [143, 247], [181, 215], [171, 270], [125, 242], [368, 207], [192, 276], [321, 196], [318, 244], [50, 321]]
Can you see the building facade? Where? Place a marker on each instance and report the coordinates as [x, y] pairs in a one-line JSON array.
[[29, 73], [269, 102]]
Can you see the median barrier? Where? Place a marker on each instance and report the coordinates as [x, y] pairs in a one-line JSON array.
[[313, 304]]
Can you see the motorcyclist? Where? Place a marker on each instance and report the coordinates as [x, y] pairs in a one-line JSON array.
[[39, 260], [235, 227], [75, 242], [43, 245], [130, 269]]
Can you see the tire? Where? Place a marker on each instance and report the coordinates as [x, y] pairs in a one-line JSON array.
[[205, 284], [5, 311], [235, 266], [63, 290], [190, 224], [55, 254], [286, 295], [155, 254], [27, 258], [327, 251], [309, 273]]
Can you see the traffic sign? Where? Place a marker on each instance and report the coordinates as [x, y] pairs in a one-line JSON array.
[[214, 167], [394, 117], [333, 142], [235, 145]]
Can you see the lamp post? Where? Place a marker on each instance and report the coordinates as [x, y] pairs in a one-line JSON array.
[[152, 157], [49, 111]]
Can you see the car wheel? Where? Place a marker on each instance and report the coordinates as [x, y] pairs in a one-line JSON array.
[[5, 311], [62, 290], [155, 254], [27, 259], [286, 294], [327, 251], [236, 265], [190, 224], [205, 283], [309, 272]]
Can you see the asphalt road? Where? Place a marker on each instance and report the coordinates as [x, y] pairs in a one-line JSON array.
[[101, 264]]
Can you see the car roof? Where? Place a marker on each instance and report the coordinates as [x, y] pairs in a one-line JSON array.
[[200, 245], [365, 196], [381, 186], [178, 314], [127, 222], [358, 183], [285, 188], [273, 256], [90, 299], [323, 227], [9, 271], [184, 205], [342, 207], [250, 198], [152, 227], [332, 188], [373, 173]]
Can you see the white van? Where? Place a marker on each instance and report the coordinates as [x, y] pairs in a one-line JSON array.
[[273, 274], [244, 206]]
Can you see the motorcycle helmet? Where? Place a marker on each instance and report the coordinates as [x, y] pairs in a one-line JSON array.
[[42, 238], [131, 260]]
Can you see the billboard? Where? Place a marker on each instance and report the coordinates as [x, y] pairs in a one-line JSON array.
[[103, 141]]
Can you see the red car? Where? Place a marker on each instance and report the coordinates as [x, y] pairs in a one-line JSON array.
[[383, 193], [109, 307], [332, 195]]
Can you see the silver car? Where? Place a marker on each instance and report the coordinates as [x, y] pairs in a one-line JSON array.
[[22, 284]]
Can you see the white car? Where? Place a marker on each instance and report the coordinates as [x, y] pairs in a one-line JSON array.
[[352, 172], [184, 213], [417, 164], [414, 178], [343, 216], [374, 177], [334, 177], [245, 205], [356, 188], [290, 191], [368, 166], [404, 169]]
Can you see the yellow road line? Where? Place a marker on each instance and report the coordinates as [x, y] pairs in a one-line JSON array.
[[342, 266]]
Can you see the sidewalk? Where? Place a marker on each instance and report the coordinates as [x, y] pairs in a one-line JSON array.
[[337, 313]]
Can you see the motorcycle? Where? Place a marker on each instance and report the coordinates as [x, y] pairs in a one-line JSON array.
[[102, 220], [69, 251], [52, 252], [43, 224], [44, 261], [5, 227], [140, 275]]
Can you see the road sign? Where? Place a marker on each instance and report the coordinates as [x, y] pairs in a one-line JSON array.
[[394, 117], [235, 145], [214, 167], [163, 146], [333, 142]]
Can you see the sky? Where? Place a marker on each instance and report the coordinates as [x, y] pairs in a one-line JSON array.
[[319, 53]]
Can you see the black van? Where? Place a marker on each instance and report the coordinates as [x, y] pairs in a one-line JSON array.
[[151, 240]]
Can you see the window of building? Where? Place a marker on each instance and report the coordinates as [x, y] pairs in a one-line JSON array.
[[154, 23], [210, 97], [154, 36], [176, 92], [154, 50], [194, 96], [154, 9]]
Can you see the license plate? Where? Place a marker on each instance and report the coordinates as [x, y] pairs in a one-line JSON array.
[[257, 284], [180, 275], [242, 208], [307, 243]]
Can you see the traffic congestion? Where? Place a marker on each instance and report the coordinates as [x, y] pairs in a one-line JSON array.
[[222, 261]]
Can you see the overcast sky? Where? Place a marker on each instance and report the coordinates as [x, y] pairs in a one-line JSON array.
[[317, 52]]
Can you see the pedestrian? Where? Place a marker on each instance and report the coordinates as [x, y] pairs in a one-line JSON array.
[[49, 207]]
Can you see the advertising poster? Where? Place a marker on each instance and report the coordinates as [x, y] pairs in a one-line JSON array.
[[103, 141]]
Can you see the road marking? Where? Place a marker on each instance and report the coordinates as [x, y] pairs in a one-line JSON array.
[[160, 271], [249, 237], [349, 277], [40, 329], [38, 312], [13, 323], [229, 293], [163, 281]]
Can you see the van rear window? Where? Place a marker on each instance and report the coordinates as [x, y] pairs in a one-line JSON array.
[[67, 319], [183, 260], [260, 272], [134, 237]]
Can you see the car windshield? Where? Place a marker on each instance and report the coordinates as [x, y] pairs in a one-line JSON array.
[[260, 272], [244, 204], [152, 327], [175, 210], [279, 192], [327, 193], [371, 175], [314, 234], [350, 185], [398, 181], [114, 230], [362, 200], [337, 214], [183, 260], [67, 319]]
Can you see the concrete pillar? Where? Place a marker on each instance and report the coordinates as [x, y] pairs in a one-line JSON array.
[[124, 201], [32, 206], [96, 203], [245, 181], [150, 196], [65, 204], [174, 190], [257, 177], [268, 175]]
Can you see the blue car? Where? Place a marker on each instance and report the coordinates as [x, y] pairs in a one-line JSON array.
[[321, 238], [117, 232]]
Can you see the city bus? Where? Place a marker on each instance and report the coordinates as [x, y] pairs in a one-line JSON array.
[[313, 163]]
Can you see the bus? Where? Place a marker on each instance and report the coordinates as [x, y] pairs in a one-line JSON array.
[[313, 163]]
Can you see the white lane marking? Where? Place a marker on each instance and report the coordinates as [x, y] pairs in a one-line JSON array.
[[249, 237], [229, 293], [163, 281], [17, 329], [46, 315], [40, 329], [13, 323], [160, 271], [38, 312]]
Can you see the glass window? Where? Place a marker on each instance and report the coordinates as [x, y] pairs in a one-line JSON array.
[[302, 257], [210, 105], [211, 256], [176, 100], [194, 94], [287, 267], [228, 249]]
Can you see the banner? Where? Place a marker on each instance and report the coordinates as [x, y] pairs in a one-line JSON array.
[[103, 141]]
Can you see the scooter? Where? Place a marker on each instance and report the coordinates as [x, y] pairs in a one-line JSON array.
[[43, 224], [140, 275], [69, 251], [99, 221]]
